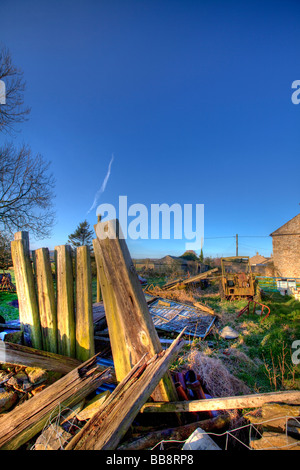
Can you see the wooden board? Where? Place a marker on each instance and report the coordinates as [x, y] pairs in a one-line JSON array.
[[131, 329], [226, 403], [24, 356]]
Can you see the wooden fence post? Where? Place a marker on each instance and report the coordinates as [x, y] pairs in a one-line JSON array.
[[114, 320], [23, 235], [65, 301], [84, 308], [99, 293], [46, 300], [28, 306], [131, 329]]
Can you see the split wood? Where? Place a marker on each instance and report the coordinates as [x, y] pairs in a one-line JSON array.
[[107, 427]]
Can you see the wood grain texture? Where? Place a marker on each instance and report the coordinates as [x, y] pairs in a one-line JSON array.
[[24, 356], [107, 427], [28, 306], [46, 300], [84, 329], [114, 320], [131, 320], [228, 403], [23, 235], [65, 301]]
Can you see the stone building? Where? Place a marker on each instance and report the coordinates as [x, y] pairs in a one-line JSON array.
[[286, 249], [257, 259], [261, 265]]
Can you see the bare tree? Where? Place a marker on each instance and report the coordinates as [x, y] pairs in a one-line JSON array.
[[13, 111], [26, 192]]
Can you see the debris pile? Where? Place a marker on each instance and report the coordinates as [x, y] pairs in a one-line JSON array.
[[19, 383], [126, 396]]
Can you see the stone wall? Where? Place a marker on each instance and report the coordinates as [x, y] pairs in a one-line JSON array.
[[264, 269], [286, 255]]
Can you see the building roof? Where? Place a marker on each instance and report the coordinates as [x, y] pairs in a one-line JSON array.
[[258, 259], [292, 227]]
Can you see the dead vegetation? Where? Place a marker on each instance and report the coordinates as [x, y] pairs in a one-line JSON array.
[[218, 381]]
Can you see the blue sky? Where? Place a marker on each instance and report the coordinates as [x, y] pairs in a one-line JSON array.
[[193, 99]]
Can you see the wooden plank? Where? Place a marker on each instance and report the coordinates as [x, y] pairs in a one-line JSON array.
[[84, 309], [28, 306], [204, 308], [133, 332], [24, 356], [113, 318], [180, 433], [65, 301], [173, 284], [29, 418], [228, 403], [107, 427], [46, 300], [198, 277]]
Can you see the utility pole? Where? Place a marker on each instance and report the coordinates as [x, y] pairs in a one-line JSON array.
[[237, 245]]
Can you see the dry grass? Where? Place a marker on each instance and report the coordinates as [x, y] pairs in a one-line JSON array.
[[217, 379]]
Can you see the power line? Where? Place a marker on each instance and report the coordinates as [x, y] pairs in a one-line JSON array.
[[237, 239], [240, 236]]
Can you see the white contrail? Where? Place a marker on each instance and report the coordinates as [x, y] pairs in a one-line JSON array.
[[102, 189]]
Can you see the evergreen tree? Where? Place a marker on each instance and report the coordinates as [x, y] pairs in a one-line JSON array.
[[189, 255], [201, 256], [83, 235]]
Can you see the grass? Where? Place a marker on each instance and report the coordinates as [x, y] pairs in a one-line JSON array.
[[262, 354], [7, 311]]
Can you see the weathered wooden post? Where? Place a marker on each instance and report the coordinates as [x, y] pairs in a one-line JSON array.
[[99, 293], [28, 306], [131, 329], [65, 301], [23, 235], [114, 319], [84, 308], [46, 299]]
